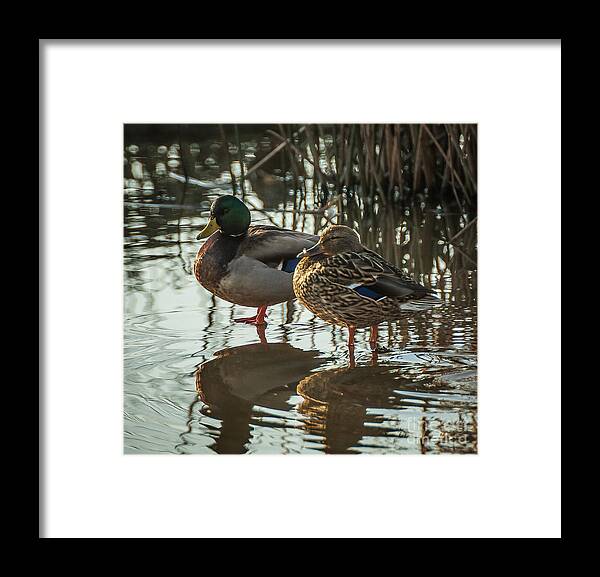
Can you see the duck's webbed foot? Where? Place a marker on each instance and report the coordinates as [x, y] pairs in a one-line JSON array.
[[258, 319], [250, 321]]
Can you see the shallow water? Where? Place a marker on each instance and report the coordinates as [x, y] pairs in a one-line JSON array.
[[195, 382]]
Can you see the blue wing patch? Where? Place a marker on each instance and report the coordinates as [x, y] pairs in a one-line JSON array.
[[367, 292], [290, 265]]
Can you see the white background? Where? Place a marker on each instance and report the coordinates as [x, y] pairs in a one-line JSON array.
[[512, 488]]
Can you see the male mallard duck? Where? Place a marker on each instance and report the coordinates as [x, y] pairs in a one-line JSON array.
[[247, 265], [345, 283]]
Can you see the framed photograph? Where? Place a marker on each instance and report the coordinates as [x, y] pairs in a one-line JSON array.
[[260, 289]]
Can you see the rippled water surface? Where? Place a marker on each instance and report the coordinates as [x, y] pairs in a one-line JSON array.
[[195, 382]]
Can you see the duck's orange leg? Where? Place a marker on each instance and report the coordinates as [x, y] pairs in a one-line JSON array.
[[373, 339], [258, 319], [260, 331], [373, 344], [351, 331]]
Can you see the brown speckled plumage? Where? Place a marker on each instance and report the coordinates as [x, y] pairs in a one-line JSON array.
[[326, 283]]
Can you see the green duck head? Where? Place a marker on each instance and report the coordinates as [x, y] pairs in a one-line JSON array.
[[229, 215]]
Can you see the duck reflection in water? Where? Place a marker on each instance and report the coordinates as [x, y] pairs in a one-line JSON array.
[[344, 406], [336, 401], [238, 378]]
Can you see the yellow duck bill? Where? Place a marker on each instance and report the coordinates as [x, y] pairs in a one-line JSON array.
[[211, 227]]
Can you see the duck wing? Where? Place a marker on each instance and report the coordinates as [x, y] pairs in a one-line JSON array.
[[273, 246], [368, 270], [259, 274]]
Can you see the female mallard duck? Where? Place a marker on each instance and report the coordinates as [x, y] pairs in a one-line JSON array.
[[247, 265], [344, 283]]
